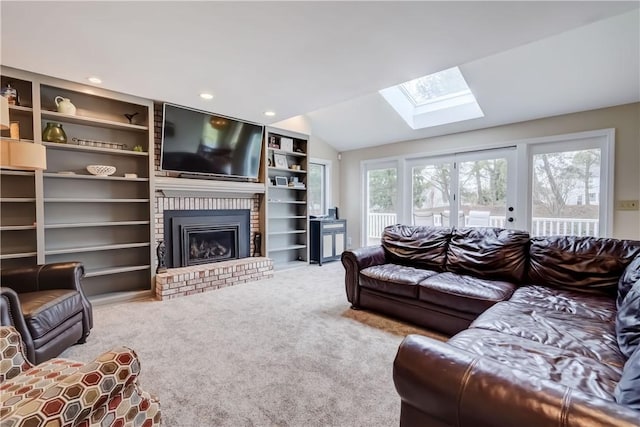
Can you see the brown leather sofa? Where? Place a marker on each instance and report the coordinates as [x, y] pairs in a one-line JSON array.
[[47, 306], [535, 323]]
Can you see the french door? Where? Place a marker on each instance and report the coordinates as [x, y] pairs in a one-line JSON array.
[[474, 189]]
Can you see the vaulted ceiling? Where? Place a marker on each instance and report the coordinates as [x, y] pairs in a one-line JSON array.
[[327, 61]]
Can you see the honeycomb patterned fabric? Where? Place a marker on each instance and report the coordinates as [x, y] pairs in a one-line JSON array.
[[64, 393]]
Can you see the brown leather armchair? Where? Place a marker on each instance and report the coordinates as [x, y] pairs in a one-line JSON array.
[[48, 307]]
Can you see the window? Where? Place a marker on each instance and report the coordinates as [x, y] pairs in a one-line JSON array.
[[318, 191], [569, 187], [381, 199], [553, 185], [434, 100]]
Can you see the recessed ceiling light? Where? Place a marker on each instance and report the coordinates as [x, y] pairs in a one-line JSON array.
[[206, 96], [270, 113], [95, 80]]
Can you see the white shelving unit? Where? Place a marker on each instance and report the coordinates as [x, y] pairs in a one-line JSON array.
[[285, 213], [67, 214]]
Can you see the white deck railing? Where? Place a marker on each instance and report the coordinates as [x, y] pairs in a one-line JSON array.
[[539, 226]]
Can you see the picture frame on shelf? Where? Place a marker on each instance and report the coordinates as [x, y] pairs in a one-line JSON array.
[[280, 161], [286, 144], [273, 143], [281, 181]]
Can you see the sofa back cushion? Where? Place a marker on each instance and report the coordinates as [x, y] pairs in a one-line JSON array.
[[585, 264], [417, 246], [489, 253], [627, 390], [628, 321], [630, 276]]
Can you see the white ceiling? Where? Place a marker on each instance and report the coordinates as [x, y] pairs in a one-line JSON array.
[[327, 60]]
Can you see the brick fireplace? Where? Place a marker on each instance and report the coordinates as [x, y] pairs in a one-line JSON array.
[[200, 198]]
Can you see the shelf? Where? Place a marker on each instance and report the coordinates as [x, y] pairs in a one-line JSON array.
[[86, 148], [273, 168], [27, 141], [281, 266], [90, 121], [287, 248], [17, 227], [17, 199], [16, 172], [95, 248], [83, 176], [115, 270], [277, 233], [282, 187], [287, 153], [97, 224], [289, 202], [18, 255], [289, 217], [79, 200], [20, 108]]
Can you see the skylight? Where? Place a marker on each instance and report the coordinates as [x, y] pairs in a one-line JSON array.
[[434, 100]]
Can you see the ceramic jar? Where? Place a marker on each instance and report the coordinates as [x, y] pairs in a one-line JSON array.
[[65, 106], [53, 132]]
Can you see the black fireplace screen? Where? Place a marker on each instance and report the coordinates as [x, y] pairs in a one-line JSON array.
[[204, 244], [205, 236]]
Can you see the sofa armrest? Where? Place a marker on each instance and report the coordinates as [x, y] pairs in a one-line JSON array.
[[11, 315], [14, 360], [356, 260], [83, 391], [453, 387]]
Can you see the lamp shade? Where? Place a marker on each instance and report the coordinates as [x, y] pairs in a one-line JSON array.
[[22, 155], [4, 113]]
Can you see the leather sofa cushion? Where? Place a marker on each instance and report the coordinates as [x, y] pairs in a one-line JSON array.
[[418, 246], [586, 264], [628, 321], [592, 306], [543, 361], [464, 293], [45, 310], [627, 391], [630, 276], [489, 253], [588, 337], [394, 279]]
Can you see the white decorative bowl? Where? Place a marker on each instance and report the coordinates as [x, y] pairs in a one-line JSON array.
[[101, 170]]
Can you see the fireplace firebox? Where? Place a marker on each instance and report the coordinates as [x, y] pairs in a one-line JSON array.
[[195, 237]]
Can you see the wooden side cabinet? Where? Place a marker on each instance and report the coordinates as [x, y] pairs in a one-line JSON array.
[[328, 239]]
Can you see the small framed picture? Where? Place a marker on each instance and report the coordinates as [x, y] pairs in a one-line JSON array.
[[281, 181], [280, 161], [286, 144]]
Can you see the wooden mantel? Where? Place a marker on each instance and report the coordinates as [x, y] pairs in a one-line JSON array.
[[187, 187]]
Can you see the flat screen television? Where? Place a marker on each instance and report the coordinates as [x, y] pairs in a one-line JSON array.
[[196, 142]]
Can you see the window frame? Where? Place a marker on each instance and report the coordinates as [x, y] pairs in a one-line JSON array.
[[327, 178]]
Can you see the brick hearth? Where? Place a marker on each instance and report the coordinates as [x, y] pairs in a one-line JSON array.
[[178, 282]]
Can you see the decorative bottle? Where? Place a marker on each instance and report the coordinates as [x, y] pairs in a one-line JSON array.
[[53, 132]]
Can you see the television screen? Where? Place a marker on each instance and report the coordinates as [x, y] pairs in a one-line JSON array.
[[197, 142]]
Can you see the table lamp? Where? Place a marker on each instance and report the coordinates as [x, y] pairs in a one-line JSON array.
[[17, 154]]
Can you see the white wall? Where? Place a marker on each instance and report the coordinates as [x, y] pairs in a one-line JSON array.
[[625, 119]]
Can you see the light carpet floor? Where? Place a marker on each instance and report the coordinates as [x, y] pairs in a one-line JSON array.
[[286, 351]]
